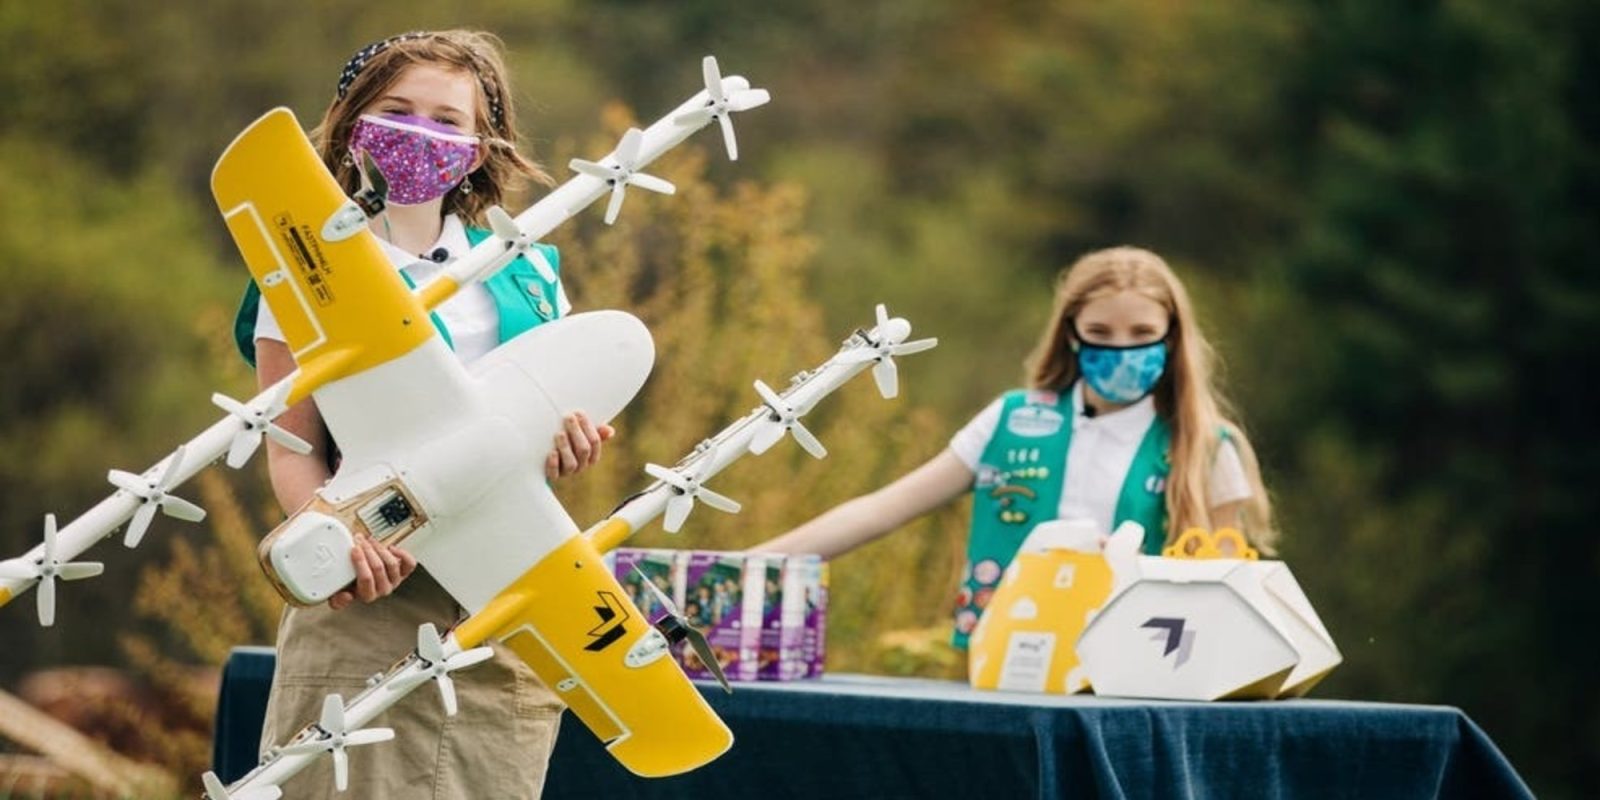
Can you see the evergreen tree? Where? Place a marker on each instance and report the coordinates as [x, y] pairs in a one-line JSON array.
[[1447, 309]]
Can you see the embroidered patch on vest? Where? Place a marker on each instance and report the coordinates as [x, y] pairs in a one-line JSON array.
[[987, 573], [1007, 496], [1035, 421], [966, 619], [1043, 397], [987, 477]]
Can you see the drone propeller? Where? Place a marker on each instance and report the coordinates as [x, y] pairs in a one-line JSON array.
[[154, 494], [891, 342], [216, 791], [784, 418], [335, 739], [690, 488], [721, 105], [512, 234], [623, 174], [675, 626], [258, 422], [436, 667], [47, 570]]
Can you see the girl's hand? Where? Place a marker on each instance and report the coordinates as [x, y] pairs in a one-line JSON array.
[[379, 569], [577, 446]]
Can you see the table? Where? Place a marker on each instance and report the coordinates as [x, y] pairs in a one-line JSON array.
[[867, 736]]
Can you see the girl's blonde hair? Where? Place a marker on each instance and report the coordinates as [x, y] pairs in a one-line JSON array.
[[473, 52], [1184, 396]]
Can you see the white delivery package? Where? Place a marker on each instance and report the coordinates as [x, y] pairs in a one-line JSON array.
[[1203, 629]]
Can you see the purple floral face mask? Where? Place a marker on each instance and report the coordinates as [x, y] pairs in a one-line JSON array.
[[421, 159]]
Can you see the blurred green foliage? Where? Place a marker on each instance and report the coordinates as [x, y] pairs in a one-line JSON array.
[[1387, 212]]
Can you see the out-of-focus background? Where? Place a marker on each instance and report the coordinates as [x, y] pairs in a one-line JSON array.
[[1387, 213]]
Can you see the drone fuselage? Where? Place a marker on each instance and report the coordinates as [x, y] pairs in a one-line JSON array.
[[448, 461]]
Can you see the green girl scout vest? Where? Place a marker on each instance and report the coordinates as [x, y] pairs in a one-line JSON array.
[[522, 297], [1019, 482]]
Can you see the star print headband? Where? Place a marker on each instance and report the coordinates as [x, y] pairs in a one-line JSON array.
[[359, 61]]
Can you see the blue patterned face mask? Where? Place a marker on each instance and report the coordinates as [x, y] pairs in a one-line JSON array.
[[1122, 374]]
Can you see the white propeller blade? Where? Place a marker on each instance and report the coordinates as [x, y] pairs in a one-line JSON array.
[[47, 602], [216, 791], [728, 138], [154, 494], [690, 489], [784, 419], [258, 423], [47, 571], [719, 105], [891, 334], [506, 228], [652, 183], [623, 175], [335, 739], [438, 668], [614, 206], [907, 348], [887, 376]]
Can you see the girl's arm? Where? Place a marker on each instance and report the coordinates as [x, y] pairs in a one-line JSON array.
[[296, 477], [863, 519]]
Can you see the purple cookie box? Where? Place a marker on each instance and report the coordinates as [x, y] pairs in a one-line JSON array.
[[765, 615], [664, 567], [814, 631], [717, 600], [789, 580]]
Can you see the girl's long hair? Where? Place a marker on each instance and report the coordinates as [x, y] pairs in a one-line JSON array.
[[1185, 395], [473, 52]]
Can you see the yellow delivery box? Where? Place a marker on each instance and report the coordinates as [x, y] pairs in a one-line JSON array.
[[1026, 636]]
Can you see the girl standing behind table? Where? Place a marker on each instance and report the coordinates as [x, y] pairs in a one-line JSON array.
[[1120, 421]]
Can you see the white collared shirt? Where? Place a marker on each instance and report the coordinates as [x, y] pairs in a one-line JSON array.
[[470, 316], [1098, 459]]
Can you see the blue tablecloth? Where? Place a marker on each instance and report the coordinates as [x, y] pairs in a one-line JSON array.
[[859, 736]]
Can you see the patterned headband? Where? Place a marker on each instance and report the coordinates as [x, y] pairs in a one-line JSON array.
[[358, 62]]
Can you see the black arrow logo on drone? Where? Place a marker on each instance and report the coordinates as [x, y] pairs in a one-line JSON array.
[[608, 611], [1174, 626]]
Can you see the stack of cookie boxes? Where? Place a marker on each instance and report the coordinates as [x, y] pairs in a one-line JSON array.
[[765, 615]]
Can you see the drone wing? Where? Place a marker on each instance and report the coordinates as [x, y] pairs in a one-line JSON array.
[[571, 621], [342, 307]]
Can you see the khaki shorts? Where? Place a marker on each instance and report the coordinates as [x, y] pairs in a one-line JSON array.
[[497, 745]]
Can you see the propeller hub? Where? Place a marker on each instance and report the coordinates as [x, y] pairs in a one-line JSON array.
[[894, 331], [672, 628]]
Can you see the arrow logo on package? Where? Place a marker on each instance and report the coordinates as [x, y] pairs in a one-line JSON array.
[[1177, 639]]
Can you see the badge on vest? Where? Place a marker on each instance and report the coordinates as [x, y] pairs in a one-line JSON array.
[[541, 306], [1035, 421], [1010, 499]]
